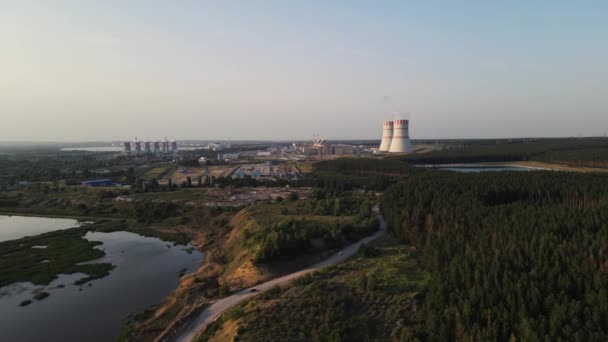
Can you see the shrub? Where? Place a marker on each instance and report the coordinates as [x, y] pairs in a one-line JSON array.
[[233, 314], [41, 295]]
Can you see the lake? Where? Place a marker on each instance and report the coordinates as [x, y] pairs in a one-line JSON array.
[[94, 149], [16, 227], [146, 272], [479, 168]]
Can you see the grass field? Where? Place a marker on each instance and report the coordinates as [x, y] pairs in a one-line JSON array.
[[178, 177], [304, 167], [156, 172], [266, 213], [177, 195]]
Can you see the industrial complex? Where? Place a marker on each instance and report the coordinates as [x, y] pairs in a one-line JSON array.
[[396, 137], [167, 160], [149, 147]]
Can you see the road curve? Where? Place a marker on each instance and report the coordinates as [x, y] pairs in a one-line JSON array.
[[188, 331]]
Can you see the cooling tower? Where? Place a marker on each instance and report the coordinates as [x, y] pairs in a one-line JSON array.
[[147, 147], [387, 136], [156, 147], [401, 137]]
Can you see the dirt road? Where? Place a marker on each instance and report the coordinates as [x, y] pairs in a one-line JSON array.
[[189, 330]]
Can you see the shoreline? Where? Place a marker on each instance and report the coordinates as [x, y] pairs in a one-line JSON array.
[[531, 165]]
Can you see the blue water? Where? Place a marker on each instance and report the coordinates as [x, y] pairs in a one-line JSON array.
[[16, 227], [94, 149], [146, 272], [484, 168], [472, 167]]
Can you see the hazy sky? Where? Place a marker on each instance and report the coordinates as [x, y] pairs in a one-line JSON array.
[[90, 70]]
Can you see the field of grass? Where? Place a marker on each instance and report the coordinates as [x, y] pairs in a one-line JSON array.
[[372, 297], [266, 213], [194, 172], [177, 195], [304, 167], [156, 172]]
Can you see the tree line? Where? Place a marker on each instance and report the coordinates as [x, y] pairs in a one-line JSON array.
[[589, 152]]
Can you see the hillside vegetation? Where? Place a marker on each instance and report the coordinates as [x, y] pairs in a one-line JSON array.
[[372, 297], [270, 239], [255, 244], [499, 256]]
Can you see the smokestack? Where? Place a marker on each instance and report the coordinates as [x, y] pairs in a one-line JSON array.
[[387, 136], [401, 137]]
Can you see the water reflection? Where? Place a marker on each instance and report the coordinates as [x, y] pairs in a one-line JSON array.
[[147, 271], [16, 227]]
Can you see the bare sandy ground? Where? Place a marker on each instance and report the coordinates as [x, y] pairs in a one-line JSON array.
[[557, 167]]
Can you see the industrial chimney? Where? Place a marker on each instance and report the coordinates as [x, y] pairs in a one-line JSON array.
[[401, 137], [127, 147], [387, 136], [137, 147]]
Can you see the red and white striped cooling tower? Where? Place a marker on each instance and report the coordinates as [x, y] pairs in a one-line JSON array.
[[387, 136], [400, 143]]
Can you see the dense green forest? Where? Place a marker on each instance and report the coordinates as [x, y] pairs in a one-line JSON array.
[[345, 174], [510, 254], [291, 238], [588, 152], [323, 221]]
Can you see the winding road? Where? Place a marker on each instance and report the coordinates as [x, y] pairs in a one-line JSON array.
[[188, 331]]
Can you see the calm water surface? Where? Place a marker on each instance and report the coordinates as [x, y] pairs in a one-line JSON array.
[[146, 272], [479, 168], [486, 169], [94, 149], [16, 227]]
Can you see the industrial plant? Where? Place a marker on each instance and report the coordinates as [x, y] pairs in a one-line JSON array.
[[149, 147], [396, 137]]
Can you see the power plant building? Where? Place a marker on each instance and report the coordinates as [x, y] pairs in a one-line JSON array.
[[387, 136], [400, 143]]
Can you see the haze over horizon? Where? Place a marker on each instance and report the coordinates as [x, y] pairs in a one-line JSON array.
[[270, 70]]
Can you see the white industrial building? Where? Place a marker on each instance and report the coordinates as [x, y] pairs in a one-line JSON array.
[[396, 137], [387, 136]]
